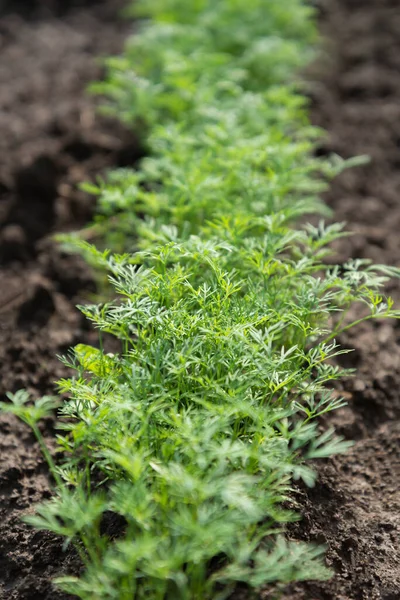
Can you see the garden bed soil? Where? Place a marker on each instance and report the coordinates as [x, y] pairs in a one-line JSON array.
[[355, 507], [52, 140]]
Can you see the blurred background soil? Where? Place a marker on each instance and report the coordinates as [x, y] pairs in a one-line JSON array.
[[51, 140], [355, 507]]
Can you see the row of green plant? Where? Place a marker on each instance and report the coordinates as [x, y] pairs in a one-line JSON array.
[[226, 311]]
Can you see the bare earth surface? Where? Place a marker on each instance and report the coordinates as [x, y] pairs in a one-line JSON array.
[[51, 140], [355, 507]]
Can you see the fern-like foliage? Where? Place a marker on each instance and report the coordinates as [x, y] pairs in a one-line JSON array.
[[226, 312]]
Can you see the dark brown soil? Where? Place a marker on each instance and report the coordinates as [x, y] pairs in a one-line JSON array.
[[355, 507], [52, 140]]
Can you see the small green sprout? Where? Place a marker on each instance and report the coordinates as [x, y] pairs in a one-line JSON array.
[[32, 413]]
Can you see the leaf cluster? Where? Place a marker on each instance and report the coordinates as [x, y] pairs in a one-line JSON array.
[[226, 313]]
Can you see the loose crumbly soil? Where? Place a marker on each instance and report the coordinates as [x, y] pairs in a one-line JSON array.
[[355, 507], [51, 140]]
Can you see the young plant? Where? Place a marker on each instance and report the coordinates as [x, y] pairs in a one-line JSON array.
[[226, 312]]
